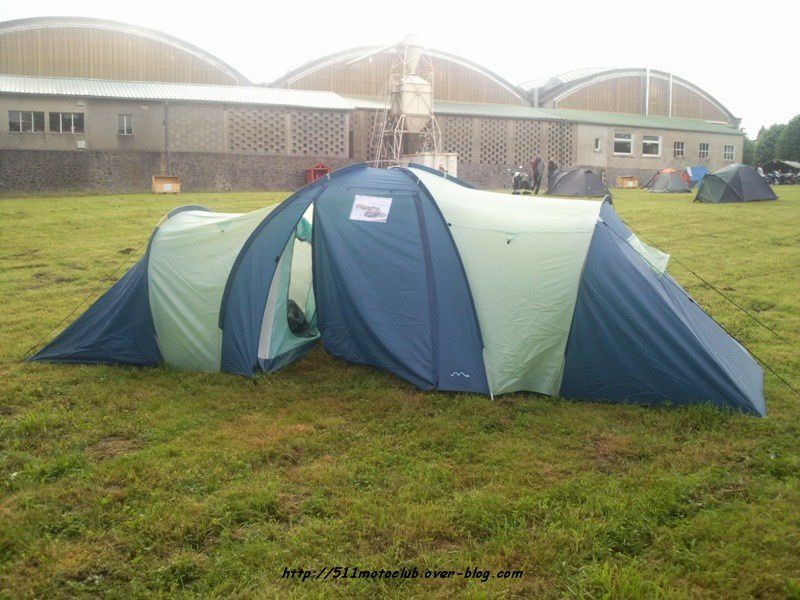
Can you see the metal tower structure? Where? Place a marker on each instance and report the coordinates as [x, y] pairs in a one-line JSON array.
[[405, 124]]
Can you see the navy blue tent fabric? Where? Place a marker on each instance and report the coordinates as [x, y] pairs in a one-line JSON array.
[[753, 186], [394, 295], [244, 297], [459, 345], [287, 358], [609, 216], [637, 336], [117, 329], [370, 288]]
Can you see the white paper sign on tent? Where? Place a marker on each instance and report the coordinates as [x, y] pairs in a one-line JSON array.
[[373, 209]]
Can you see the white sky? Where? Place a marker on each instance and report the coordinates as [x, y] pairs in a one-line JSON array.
[[744, 55]]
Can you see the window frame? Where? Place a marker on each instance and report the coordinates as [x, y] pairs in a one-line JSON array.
[[71, 129], [729, 157], [655, 139], [598, 145], [32, 115], [679, 149], [704, 154], [629, 140], [124, 124]]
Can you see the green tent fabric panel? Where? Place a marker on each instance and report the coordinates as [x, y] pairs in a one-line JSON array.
[[523, 258], [190, 259], [728, 173], [300, 281], [712, 188], [657, 259]]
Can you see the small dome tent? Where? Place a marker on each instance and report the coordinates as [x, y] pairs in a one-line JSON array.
[[580, 183], [422, 276], [669, 181], [734, 183]]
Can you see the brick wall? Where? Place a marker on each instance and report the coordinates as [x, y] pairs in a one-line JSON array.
[[486, 177], [49, 170], [496, 142]]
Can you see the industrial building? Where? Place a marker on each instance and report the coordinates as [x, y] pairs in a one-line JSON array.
[[94, 104]]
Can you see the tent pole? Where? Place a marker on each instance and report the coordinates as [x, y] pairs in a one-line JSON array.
[[167, 153]]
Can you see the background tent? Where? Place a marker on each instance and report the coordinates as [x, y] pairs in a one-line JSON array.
[[581, 183], [427, 279], [696, 174], [668, 181], [734, 183]]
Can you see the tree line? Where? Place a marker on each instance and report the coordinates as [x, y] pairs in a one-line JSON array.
[[781, 141]]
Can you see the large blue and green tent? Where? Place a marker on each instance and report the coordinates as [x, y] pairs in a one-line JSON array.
[[445, 286]]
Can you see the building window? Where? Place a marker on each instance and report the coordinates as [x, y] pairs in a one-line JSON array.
[[66, 122], [124, 124], [597, 145], [705, 150], [729, 152], [24, 121], [651, 145], [623, 143], [678, 150]]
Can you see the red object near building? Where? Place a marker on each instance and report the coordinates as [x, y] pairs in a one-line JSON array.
[[317, 171]]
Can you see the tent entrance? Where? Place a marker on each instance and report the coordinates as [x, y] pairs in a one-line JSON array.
[[289, 325]]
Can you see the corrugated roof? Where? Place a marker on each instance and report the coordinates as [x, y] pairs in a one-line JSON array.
[[508, 111], [560, 78], [127, 28], [346, 55], [550, 91], [227, 94], [644, 121], [190, 92], [582, 116]]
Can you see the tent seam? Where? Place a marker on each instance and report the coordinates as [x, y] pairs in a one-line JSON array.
[[431, 283], [432, 200], [577, 294]]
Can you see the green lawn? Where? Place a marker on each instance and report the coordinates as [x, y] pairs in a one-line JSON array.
[[127, 482]]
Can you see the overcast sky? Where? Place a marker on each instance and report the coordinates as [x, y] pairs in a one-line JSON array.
[[744, 56]]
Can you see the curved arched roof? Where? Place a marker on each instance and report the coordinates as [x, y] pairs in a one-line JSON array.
[[554, 90], [87, 23], [341, 58]]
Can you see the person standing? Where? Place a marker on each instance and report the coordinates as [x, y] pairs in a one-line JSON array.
[[537, 169], [552, 169]]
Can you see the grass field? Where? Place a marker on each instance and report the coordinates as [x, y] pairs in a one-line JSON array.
[[126, 482]]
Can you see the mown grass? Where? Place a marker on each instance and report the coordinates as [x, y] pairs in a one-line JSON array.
[[124, 482]]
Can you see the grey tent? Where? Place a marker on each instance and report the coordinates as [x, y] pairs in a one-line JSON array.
[[734, 183], [582, 183], [668, 181]]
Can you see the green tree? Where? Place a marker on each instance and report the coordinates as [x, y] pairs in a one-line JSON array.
[[788, 147], [767, 143]]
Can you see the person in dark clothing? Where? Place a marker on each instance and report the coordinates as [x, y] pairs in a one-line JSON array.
[[537, 170], [552, 169]]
